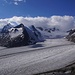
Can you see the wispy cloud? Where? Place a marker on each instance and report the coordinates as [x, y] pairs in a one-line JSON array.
[[6, 1], [15, 2], [62, 22]]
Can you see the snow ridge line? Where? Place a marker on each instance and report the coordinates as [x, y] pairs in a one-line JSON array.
[[11, 54]]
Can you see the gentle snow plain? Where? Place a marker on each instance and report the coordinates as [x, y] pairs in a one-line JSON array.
[[41, 57]]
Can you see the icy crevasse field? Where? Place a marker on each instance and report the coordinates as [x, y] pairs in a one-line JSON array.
[[41, 57]]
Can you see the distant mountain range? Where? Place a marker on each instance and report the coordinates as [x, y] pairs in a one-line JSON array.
[[12, 36], [51, 33]]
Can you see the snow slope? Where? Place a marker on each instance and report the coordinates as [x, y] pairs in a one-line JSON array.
[[53, 34], [45, 56], [14, 33]]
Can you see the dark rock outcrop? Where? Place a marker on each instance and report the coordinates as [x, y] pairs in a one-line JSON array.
[[71, 35]]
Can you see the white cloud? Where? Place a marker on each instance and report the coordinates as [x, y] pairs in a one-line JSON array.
[[18, 0], [15, 2], [61, 22]]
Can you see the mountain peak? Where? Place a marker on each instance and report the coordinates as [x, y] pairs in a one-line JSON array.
[[6, 27]]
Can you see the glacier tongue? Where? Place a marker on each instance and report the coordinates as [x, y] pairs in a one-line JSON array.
[[18, 61]]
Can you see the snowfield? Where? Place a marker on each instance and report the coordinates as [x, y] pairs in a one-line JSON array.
[[41, 57]]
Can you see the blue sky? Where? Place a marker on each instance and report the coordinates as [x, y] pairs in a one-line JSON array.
[[33, 8]]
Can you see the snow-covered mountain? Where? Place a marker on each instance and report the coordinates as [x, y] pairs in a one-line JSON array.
[[19, 35], [37, 33], [50, 33]]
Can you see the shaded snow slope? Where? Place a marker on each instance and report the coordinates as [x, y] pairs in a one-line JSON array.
[[37, 34], [6, 28], [49, 55]]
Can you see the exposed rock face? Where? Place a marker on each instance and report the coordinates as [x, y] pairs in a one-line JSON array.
[[71, 35]]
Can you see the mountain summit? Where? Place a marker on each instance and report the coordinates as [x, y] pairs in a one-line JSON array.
[[6, 28]]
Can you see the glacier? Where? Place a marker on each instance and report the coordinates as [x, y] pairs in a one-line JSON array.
[[33, 59]]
